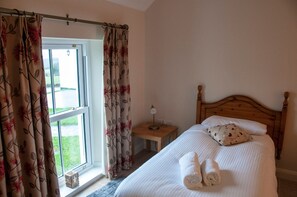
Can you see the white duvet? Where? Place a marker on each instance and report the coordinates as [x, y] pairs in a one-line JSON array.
[[247, 169]]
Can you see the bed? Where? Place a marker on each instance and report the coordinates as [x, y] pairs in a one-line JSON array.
[[247, 169]]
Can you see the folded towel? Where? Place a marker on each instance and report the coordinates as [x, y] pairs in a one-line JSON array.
[[190, 171], [210, 172]]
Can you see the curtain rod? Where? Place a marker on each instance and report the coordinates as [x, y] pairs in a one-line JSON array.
[[67, 18]]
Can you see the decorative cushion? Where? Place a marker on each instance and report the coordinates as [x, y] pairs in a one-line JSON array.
[[228, 134], [252, 127]]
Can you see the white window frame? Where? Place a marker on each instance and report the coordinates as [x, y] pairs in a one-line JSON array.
[[84, 108]]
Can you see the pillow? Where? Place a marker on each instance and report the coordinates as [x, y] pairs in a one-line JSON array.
[[253, 127], [228, 134]]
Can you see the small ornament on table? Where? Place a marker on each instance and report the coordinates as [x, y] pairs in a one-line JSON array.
[[153, 126]]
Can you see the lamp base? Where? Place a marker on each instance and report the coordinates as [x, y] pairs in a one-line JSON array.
[[154, 127]]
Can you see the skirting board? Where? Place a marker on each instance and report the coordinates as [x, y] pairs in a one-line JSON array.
[[286, 174]]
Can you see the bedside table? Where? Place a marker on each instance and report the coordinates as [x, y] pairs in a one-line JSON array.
[[159, 136]]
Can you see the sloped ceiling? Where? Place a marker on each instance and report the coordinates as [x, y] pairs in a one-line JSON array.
[[141, 5]]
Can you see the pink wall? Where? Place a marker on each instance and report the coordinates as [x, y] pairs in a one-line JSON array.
[[247, 47], [102, 11], [232, 47]]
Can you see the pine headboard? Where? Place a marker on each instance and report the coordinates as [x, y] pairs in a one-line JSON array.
[[244, 107]]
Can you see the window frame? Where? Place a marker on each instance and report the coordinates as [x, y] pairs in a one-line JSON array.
[[84, 102]]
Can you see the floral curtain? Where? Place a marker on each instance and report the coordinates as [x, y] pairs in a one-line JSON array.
[[27, 164], [117, 100]]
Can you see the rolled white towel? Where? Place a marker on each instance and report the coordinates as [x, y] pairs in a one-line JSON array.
[[190, 171], [210, 172]]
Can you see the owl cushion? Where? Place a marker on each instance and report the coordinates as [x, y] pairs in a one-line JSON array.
[[228, 134]]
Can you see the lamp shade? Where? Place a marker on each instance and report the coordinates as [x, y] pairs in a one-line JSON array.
[[153, 126], [153, 110]]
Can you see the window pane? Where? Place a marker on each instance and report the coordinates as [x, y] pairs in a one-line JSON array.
[[72, 130], [65, 79], [55, 136], [47, 71], [64, 73]]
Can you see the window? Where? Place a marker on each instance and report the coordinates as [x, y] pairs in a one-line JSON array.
[[66, 84], [74, 78]]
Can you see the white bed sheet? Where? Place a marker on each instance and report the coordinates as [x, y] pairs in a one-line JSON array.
[[247, 169]]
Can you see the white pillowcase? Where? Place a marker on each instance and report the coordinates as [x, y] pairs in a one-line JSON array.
[[253, 127]]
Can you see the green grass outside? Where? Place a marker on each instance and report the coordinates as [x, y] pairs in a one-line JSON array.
[[71, 153]]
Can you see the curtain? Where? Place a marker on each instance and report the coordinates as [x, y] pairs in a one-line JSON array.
[[27, 164], [117, 100]]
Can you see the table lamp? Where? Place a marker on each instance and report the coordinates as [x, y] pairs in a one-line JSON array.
[[153, 126]]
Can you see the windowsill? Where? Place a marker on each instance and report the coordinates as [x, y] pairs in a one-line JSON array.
[[85, 180]]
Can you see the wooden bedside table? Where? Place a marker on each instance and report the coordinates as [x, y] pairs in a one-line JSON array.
[[159, 136]]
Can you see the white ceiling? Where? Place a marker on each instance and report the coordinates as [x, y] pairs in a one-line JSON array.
[[141, 5]]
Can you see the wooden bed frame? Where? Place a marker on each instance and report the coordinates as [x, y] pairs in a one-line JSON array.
[[239, 106]]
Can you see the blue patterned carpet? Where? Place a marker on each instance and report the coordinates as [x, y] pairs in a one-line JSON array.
[[108, 190]]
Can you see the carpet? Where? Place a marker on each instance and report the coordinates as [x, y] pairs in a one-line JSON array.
[[108, 190]]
